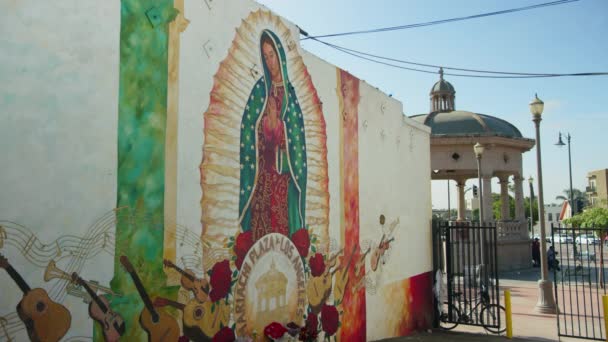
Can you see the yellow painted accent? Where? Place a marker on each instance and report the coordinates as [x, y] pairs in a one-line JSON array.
[[508, 314], [605, 302], [177, 26], [341, 137]]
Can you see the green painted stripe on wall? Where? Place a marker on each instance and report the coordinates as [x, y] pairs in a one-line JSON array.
[[142, 113]]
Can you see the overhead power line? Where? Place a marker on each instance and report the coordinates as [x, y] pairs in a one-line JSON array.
[[493, 74], [443, 21]]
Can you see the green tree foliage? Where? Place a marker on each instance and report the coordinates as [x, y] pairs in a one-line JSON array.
[[497, 204], [590, 218], [579, 199], [596, 218], [534, 208]]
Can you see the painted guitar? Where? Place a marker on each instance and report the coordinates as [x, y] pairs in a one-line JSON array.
[[342, 278], [159, 325], [113, 324], [318, 288], [199, 321], [379, 252], [199, 287], [360, 265], [44, 319], [359, 268]]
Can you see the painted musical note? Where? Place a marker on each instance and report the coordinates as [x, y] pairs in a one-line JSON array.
[[2, 236], [29, 244], [3, 323], [58, 249], [105, 240]]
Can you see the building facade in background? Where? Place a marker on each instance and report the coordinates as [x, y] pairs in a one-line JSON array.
[[597, 188]]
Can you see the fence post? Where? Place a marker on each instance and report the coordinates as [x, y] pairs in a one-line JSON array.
[[509, 321], [605, 301]]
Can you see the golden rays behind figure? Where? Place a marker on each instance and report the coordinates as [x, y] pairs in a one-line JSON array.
[[220, 168]]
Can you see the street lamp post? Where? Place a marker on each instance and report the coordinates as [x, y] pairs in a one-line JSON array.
[[478, 149], [449, 207], [560, 143], [546, 302], [531, 181]]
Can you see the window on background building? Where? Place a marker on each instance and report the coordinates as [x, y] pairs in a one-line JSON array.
[[550, 217]]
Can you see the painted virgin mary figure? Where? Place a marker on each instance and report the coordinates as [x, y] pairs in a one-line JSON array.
[[273, 174]]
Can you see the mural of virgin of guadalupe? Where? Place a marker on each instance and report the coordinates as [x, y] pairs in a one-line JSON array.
[[272, 150]]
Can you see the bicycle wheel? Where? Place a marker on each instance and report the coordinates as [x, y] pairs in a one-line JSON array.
[[493, 318], [445, 321]]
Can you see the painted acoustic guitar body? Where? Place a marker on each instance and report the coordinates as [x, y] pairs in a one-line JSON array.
[[159, 325], [45, 320], [165, 328]]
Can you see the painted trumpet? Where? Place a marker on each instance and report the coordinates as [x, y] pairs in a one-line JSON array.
[[53, 272]]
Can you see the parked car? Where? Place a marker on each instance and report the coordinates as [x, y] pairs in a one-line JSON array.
[[587, 239], [585, 255], [565, 238]]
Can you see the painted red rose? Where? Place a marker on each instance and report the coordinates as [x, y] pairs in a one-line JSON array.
[[312, 324], [242, 245], [302, 242], [317, 264], [309, 332], [224, 335], [274, 330], [329, 319], [221, 276]]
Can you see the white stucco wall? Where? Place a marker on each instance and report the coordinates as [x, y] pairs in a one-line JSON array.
[[394, 152], [394, 182], [58, 132], [59, 99]]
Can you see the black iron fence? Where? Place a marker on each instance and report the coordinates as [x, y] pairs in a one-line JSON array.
[[577, 257], [466, 281]]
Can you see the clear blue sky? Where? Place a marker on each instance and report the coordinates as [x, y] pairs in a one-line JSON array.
[[560, 39]]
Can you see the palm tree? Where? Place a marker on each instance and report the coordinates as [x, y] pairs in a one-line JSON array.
[[579, 199]]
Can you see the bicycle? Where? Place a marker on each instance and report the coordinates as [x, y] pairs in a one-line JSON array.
[[491, 316]]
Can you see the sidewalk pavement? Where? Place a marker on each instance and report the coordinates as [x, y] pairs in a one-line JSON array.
[[527, 325], [456, 336]]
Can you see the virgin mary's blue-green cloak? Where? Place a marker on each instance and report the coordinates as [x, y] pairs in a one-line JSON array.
[[292, 160]]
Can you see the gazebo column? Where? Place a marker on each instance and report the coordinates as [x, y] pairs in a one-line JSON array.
[[520, 213], [504, 198], [486, 183], [461, 202]]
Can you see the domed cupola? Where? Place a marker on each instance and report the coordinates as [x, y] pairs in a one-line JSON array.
[[442, 95]]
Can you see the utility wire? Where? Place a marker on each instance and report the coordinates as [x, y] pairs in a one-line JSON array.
[[427, 71], [443, 21], [505, 74]]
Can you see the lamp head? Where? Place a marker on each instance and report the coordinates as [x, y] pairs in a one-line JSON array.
[[560, 142], [531, 180], [536, 106], [478, 148]]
